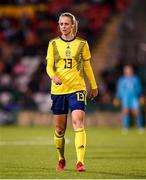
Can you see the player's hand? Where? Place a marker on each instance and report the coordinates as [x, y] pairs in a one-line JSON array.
[[94, 93], [116, 102], [142, 100], [56, 80]]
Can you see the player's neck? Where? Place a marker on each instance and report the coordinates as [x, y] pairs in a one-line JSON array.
[[67, 37]]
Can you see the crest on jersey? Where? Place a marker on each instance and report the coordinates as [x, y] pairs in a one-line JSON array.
[[68, 53]]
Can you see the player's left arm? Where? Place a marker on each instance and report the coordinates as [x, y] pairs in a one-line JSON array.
[[89, 72], [139, 89]]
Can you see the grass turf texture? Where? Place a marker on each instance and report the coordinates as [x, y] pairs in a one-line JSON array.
[[24, 153]]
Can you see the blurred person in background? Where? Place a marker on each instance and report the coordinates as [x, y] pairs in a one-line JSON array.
[[68, 57], [130, 95]]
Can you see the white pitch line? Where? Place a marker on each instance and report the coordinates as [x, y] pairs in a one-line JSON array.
[[30, 142]]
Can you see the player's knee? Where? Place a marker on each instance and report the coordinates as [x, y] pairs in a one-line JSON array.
[[126, 111], [59, 130], [136, 112], [77, 124]]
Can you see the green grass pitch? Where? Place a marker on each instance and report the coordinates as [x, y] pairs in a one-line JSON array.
[[30, 153]]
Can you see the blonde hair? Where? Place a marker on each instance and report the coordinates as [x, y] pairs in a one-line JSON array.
[[73, 20]]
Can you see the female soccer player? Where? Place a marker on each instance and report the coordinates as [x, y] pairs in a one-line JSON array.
[[68, 58]]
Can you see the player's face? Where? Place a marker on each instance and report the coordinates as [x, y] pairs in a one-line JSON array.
[[65, 25], [128, 71]]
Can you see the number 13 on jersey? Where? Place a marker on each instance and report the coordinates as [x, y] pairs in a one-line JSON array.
[[67, 63]]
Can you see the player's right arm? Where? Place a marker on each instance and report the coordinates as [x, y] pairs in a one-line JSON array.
[[120, 88], [116, 100], [50, 65]]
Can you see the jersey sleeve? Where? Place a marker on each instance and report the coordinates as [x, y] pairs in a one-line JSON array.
[[87, 66], [86, 52], [50, 61], [138, 87], [119, 90]]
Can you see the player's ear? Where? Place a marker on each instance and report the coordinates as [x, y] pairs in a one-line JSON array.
[[73, 26], [72, 29]]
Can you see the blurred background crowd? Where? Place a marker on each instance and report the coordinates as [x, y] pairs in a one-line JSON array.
[[26, 26]]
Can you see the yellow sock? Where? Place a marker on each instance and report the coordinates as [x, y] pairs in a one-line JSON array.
[[59, 143], [80, 144]]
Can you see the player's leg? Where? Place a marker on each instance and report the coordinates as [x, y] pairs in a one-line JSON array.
[[138, 116], [77, 106], [80, 137], [60, 122], [60, 110], [125, 119], [125, 103]]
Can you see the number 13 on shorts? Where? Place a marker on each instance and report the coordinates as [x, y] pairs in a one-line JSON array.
[[81, 96]]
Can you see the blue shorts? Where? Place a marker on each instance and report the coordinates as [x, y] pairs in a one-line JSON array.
[[61, 104], [130, 103]]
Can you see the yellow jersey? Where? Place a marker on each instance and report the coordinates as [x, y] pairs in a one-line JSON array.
[[69, 60]]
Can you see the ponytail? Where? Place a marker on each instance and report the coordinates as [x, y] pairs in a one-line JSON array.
[[75, 28], [74, 22]]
